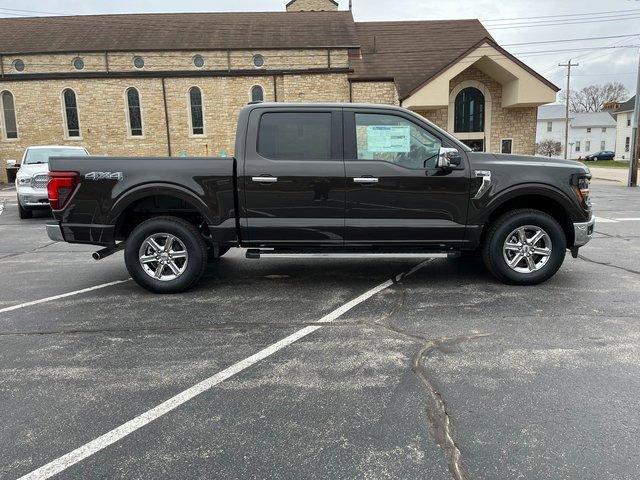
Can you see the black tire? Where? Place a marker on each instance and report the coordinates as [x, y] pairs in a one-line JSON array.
[[494, 243], [24, 213], [187, 234]]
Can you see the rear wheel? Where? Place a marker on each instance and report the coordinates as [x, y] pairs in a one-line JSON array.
[[166, 255], [23, 212], [524, 247]]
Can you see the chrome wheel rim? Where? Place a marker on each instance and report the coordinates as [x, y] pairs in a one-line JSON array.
[[527, 249], [163, 257]]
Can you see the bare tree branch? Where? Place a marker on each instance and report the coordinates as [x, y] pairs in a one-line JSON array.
[[549, 148], [593, 97]]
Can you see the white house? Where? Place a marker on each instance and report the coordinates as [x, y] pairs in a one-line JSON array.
[[624, 117], [588, 132]]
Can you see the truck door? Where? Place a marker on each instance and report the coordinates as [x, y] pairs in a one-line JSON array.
[[293, 177], [395, 194]]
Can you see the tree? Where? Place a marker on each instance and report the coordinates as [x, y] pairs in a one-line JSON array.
[[549, 148], [593, 97]]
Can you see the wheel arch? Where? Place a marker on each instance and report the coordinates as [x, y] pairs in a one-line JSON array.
[[538, 197], [153, 200]]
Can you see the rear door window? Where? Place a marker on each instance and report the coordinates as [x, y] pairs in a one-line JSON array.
[[295, 136]]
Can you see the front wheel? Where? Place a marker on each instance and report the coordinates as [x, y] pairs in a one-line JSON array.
[[524, 247], [166, 255]]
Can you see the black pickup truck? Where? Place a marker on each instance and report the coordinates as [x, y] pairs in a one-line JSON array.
[[325, 178]]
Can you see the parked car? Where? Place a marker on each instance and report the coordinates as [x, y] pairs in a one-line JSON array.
[[318, 178], [604, 155], [33, 176]]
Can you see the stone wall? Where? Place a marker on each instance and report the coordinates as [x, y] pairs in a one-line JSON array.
[[179, 60], [374, 92], [311, 6], [103, 120]]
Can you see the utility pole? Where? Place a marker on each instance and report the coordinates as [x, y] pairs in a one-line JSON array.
[[566, 123], [635, 150]]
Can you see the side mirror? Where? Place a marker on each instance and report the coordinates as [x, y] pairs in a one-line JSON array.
[[448, 158]]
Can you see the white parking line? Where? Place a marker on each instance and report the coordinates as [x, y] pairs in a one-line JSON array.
[[632, 219], [62, 463], [58, 297], [616, 219]]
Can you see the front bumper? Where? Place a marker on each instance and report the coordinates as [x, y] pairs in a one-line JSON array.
[[55, 232], [33, 197], [583, 232]]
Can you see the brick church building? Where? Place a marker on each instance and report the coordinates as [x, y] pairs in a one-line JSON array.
[[172, 84]]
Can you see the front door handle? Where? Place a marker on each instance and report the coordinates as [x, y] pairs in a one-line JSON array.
[[367, 180], [265, 179]]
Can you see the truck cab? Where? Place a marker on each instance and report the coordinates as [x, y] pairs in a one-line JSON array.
[[327, 177]]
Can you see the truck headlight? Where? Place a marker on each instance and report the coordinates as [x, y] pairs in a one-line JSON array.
[[24, 181], [582, 187]]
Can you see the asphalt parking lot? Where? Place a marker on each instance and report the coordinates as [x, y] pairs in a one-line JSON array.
[[437, 372]]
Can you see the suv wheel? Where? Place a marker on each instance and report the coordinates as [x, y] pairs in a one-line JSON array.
[[524, 247], [166, 255], [24, 212]]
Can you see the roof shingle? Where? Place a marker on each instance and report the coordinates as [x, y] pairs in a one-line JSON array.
[[184, 31]]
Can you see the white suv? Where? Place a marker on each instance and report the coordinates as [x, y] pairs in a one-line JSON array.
[[33, 176]]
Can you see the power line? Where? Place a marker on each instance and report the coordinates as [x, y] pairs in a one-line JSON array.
[[566, 22], [573, 15]]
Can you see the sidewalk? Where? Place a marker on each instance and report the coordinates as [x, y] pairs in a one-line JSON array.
[[609, 176]]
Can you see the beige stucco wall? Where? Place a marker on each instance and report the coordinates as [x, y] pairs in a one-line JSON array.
[[374, 92], [311, 5]]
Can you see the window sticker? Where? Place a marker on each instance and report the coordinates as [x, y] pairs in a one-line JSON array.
[[388, 139]]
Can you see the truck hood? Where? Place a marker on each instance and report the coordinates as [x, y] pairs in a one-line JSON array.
[[34, 169], [485, 159]]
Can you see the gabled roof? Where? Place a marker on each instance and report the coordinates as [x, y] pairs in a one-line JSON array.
[[183, 31], [294, 1], [553, 112], [412, 52], [415, 52], [593, 119], [627, 106]]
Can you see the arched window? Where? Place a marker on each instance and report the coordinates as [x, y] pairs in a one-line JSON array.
[[134, 112], [469, 111], [195, 109], [71, 118], [9, 115], [257, 93]]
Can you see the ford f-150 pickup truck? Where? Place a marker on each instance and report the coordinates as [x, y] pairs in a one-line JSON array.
[[325, 178]]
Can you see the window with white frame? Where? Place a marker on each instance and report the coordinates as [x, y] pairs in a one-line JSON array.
[[8, 116], [628, 119], [549, 126], [195, 111], [134, 112], [578, 146], [71, 116], [603, 145], [506, 145], [604, 129], [588, 130], [587, 146], [627, 144]]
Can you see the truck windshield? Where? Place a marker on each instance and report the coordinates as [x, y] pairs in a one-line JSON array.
[[41, 155]]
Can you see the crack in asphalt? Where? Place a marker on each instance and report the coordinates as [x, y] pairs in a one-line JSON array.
[[436, 409], [607, 264], [34, 250]]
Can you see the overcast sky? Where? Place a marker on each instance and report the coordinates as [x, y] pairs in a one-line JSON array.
[[596, 66]]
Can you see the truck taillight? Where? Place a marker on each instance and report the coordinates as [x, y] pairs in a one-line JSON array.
[[60, 188]]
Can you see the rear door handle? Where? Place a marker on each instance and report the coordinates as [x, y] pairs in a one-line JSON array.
[[365, 180], [265, 179]]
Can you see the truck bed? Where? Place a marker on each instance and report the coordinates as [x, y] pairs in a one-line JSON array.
[[108, 186]]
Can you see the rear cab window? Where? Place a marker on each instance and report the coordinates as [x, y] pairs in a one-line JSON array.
[[295, 136]]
